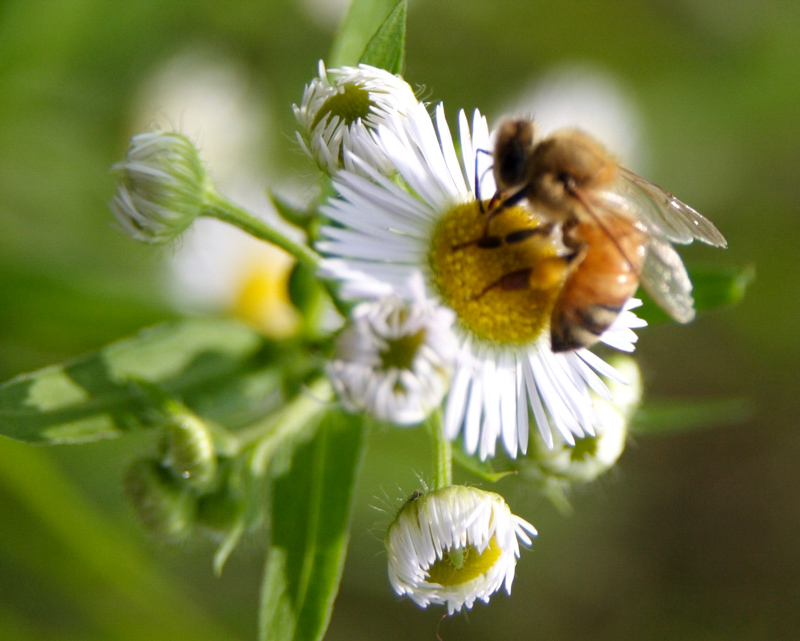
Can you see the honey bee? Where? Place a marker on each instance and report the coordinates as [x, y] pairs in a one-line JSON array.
[[617, 226]]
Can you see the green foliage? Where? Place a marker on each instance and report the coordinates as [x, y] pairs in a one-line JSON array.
[[363, 20], [714, 287], [311, 506], [675, 416], [92, 398], [387, 48]]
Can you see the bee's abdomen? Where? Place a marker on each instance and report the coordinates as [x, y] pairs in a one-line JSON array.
[[596, 291], [573, 327]]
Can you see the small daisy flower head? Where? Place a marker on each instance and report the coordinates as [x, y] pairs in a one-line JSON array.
[[429, 218], [342, 107], [162, 184], [395, 358], [592, 456], [454, 545]]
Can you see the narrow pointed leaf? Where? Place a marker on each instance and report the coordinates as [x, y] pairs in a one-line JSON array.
[[363, 19], [675, 416], [387, 48], [311, 509]]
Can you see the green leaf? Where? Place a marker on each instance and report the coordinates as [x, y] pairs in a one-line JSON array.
[[714, 286], [92, 398], [311, 509], [387, 48], [676, 416], [482, 469], [363, 19]]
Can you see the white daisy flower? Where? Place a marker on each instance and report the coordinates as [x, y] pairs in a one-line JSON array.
[[395, 358], [162, 185], [505, 368], [454, 545], [592, 456], [338, 112]]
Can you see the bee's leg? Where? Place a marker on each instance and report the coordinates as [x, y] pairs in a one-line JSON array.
[[499, 202], [484, 242], [522, 235], [546, 274], [493, 242], [478, 178]]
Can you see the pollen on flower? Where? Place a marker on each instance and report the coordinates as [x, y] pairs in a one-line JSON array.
[[470, 277]]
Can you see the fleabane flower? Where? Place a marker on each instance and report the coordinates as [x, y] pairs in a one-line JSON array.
[[592, 456], [454, 545], [395, 358], [429, 218], [342, 107], [162, 184]]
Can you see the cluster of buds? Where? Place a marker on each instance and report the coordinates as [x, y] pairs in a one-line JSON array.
[[188, 487]]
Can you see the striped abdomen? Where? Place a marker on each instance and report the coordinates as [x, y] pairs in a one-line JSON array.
[[608, 262]]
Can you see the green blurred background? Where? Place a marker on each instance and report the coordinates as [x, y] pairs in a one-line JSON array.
[[694, 536]]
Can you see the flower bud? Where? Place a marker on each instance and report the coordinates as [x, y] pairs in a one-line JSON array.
[[164, 507], [454, 545], [162, 185], [592, 456], [188, 449], [395, 358], [341, 109]]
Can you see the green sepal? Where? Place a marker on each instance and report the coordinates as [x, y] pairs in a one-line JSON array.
[[312, 502], [677, 416], [387, 48], [292, 214]]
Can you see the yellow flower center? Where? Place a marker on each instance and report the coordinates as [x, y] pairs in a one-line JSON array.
[[502, 288], [350, 105], [262, 298], [464, 564]]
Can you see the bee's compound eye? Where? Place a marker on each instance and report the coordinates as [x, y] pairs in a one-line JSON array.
[[512, 163]]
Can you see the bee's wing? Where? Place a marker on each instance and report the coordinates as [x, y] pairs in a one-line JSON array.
[[662, 214], [666, 280]]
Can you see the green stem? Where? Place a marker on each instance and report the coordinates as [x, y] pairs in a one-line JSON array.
[[267, 435], [443, 451], [217, 206]]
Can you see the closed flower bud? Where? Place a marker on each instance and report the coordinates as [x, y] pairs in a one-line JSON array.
[[219, 512], [188, 449], [162, 185], [164, 507]]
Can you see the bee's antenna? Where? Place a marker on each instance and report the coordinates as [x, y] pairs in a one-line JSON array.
[[478, 178]]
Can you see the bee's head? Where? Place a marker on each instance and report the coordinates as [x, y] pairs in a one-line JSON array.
[[513, 150]]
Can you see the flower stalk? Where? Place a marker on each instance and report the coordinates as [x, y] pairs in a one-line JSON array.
[[218, 206], [443, 451]]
